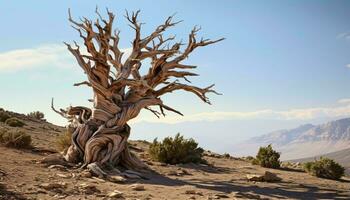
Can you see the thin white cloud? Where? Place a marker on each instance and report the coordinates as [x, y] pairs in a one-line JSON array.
[[344, 101], [345, 35], [292, 114], [48, 55]]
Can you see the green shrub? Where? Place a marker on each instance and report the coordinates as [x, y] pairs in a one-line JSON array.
[[226, 155], [4, 116], [176, 150], [267, 157], [14, 122], [36, 115], [63, 141], [17, 139], [325, 168]]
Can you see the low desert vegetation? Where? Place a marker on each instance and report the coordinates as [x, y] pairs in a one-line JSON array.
[[14, 122], [4, 115], [15, 139], [176, 150], [267, 157], [226, 155], [63, 141], [325, 168], [36, 114]]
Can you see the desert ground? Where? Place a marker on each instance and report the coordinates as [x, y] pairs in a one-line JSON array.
[[28, 174]]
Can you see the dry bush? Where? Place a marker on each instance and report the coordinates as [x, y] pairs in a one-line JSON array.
[[64, 140], [325, 168], [14, 122], [4, 115], [16, 139], [36, 114], [176, 150]]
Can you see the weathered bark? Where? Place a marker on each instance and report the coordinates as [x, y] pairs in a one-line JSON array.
[[120, 91]]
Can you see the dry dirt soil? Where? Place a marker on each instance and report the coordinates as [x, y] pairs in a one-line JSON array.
[[24, 176]]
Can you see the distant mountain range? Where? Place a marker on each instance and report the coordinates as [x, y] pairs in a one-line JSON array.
[[304, 141]]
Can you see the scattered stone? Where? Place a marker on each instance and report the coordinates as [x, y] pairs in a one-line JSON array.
[[172, 173], [190, 192], [221, 195], [115, 194], [268, 177], [61, 167], [58, 196], [54, 159], [271, 177], [179, 172], [194, 192], [86, 174], [50, 186], [117, 179], [21, 185], [95, 169], [241, 195], [99, 179], [255, 177], [137, 187], [63, 175], [88, 189]]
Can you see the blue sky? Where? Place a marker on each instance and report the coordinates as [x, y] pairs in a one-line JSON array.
[[282, 61]]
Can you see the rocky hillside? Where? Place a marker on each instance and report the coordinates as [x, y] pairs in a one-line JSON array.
[[304, 141], [32, 174]]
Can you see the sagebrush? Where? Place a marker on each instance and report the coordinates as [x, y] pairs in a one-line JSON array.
[[14, 122], [64, 140], [36, 114], [16, 139], [4, 115], [267, 157], [325, 168], [176, 150]]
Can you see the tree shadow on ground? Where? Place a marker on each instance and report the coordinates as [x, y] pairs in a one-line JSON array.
[[207, 168], [6, 194], [280, 190]]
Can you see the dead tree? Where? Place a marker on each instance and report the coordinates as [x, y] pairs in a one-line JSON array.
[[120, 92]]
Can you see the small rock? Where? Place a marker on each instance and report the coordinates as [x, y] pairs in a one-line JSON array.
[[221, 195], [255, 177], [61, 167], [190, 192], [99, 179], [54, 159], [268, 177], [64, 175], [172, 173], [271, 177], [115, 194], [193, 192], [137, 187], [86, 174], [117, 179], [88, 189], [50, 186]]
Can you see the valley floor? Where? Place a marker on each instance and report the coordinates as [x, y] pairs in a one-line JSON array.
[[23, 176]]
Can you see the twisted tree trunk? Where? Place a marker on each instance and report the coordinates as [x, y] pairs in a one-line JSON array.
[[100, 134]]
